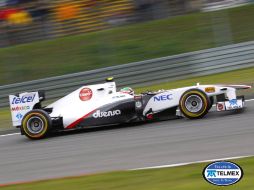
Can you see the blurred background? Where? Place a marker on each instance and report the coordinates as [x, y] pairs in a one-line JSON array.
[[24, 21], [43, 38]]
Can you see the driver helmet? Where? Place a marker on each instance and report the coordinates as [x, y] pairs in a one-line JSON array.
[[127, 90]]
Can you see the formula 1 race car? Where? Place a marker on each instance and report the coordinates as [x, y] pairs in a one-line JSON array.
[[102, 105]]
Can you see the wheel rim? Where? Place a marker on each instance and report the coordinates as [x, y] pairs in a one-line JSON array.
[[35, 125], [194, 103]]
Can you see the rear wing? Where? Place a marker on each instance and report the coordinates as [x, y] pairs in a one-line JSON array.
[[22, 103]]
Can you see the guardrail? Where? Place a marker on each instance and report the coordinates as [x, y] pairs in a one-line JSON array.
[[204, 62]]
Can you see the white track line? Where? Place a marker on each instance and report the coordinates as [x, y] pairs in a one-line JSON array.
[[11, 134], [188, 163]]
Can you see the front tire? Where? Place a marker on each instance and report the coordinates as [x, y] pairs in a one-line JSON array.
[[194, 104], [36, 124], [211, 102]]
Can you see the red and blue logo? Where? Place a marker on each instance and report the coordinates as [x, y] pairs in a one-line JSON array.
[[85, 94]]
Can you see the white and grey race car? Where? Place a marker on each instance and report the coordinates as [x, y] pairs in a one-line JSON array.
[[102, 105]]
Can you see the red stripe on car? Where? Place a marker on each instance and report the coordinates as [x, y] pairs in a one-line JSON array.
[[72, 125]]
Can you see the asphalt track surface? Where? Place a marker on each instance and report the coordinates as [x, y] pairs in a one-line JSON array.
[[218, 135]]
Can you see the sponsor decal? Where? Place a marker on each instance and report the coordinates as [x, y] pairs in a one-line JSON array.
[[234, 104], [19, 116], [85, 94], [210, 89], [149, 116], [100, 114], [23, 99], [20, 108], [111, 86], [163, 97], [138, 104], [222, 173], [137, 97], [120, 96], [220, 107]]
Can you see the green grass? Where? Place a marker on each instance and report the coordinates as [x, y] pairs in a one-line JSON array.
[[177, 178], [244, 76], [5, 118], [126, 44]]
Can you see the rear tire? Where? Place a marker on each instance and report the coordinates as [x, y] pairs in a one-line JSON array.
[[36, 124], [194, 104]]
